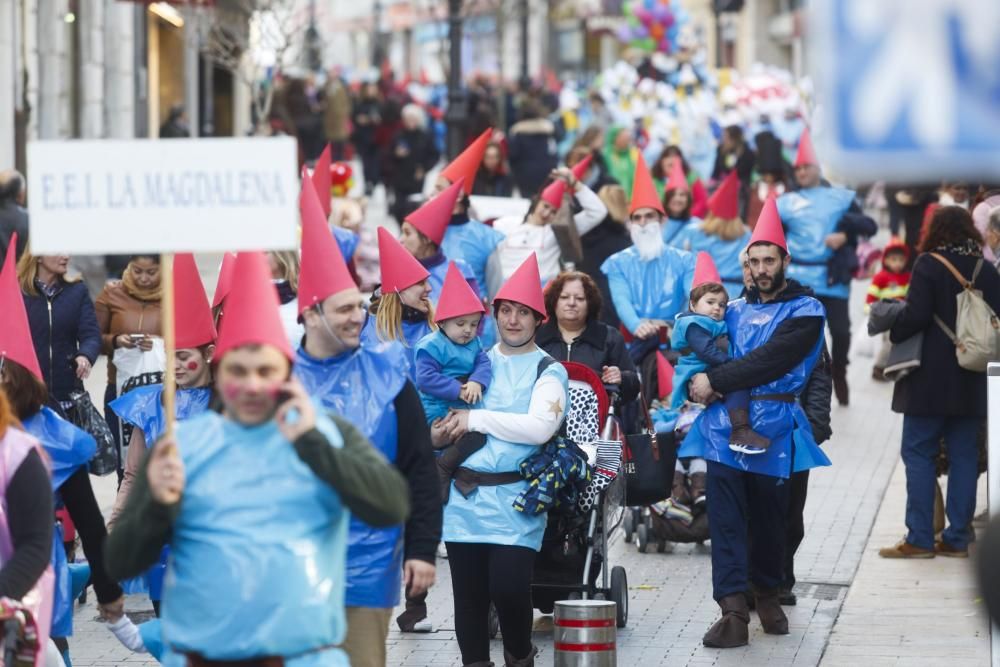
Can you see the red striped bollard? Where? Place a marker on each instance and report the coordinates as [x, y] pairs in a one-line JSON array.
[[585, 633]]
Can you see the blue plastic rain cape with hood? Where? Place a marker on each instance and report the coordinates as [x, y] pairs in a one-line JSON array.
[[412, 333], [68, 448], [657, 289], [456, 360], [143, 407], [487, 327], [689, 364], [725, 254], [347, 241], [488, 515], [361, 385], [258, 549], [750, 326], [673, 228], [472, 242], [809, 216]]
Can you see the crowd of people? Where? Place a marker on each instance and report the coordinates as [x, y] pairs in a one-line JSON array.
[[326, 440]]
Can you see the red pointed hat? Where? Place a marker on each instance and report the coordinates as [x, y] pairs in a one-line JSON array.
[[553, 194], [806, 154], [677, 180], [580, 168], [769, 229], [323, 180], [725, 201], [15, 335], [468, 161], [193, 325], [433, 217], [252, 316], [225, 282], [524, 286], [457, 298], [643, 190], [664, 376], [399, 268], [705, 270], [323, 272]]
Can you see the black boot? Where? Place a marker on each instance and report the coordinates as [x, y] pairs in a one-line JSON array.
[[529, 661], [733, 629], [840, 384], [743, 438], [772, 616]]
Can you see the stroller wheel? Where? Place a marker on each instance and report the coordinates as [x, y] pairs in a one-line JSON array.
[[628, 525], [642, 533], [619, 593], [494, 622], [664, 547]]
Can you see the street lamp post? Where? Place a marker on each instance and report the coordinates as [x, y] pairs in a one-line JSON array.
[[456, 116], [524, 43], [377, 35]]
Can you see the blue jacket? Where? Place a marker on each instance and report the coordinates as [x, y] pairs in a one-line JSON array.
[[441, 367], [726, 254], [657, 289], [809, 216], [700, 357], [62, 328]]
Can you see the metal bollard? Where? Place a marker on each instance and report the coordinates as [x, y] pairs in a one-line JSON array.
[[585, 633]]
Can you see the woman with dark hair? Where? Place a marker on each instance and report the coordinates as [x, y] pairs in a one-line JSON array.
[[940, 399], [661, 170], [62, 320], [128, 315], [533, 233], [574, 332], [493, 178], [734, 154]]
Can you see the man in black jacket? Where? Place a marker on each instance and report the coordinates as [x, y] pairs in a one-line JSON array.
[[774, 349], [13, 217]]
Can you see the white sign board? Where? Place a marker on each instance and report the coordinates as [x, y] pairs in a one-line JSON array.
[[175, 195], [910, 89]]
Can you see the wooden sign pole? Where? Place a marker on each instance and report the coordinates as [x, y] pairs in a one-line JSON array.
[[167, 323]]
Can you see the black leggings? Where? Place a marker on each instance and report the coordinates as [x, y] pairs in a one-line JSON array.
[[839, 320], [484, 572], [78, 496]]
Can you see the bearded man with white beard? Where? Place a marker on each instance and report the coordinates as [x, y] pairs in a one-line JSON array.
[[649, 281]]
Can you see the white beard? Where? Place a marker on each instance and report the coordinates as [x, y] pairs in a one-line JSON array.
[[648, 240]]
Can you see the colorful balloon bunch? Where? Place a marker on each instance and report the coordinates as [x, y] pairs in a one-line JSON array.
[[341, 179], [653, 25]]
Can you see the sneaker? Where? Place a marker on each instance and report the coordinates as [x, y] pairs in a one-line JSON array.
[[424, 626], [942, 548], [747, 449], [904, 549]]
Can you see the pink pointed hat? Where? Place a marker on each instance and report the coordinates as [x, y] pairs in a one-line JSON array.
[[457, 297], [705, 270]]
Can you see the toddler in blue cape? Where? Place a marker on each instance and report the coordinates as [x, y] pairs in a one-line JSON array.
[[453, 371], [696, 334]]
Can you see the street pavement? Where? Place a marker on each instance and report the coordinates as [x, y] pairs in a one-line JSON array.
[[853, 607]]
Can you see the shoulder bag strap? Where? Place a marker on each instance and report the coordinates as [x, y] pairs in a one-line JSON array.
[[955, 272]]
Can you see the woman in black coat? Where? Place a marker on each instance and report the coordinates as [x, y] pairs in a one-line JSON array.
[[940, 399], [573, 332], [412, 155], [63, 323]]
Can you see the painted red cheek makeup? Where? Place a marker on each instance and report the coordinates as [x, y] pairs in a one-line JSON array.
[[192, 365]]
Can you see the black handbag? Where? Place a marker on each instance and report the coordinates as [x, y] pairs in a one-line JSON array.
[[648, 461], [84, 414]]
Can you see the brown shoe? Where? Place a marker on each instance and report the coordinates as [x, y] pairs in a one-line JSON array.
[[698, 481], [772, 616], [942, 548], [679, 489], [742, 438], [840, 389], [733, 629], [905, 550]]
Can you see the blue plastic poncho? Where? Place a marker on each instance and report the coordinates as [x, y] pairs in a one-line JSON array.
[[750, 326], [672, 227], [726, 254], [456, 361], [143, 407], [809, 216], [347, 241], [657, 289], [412, 333], [688, 365], [67, 446], [488, 515], [62, 589], [258, 549], [472, 242], [361, 385]]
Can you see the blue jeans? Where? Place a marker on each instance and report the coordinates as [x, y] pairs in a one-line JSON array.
[[921, 438]]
